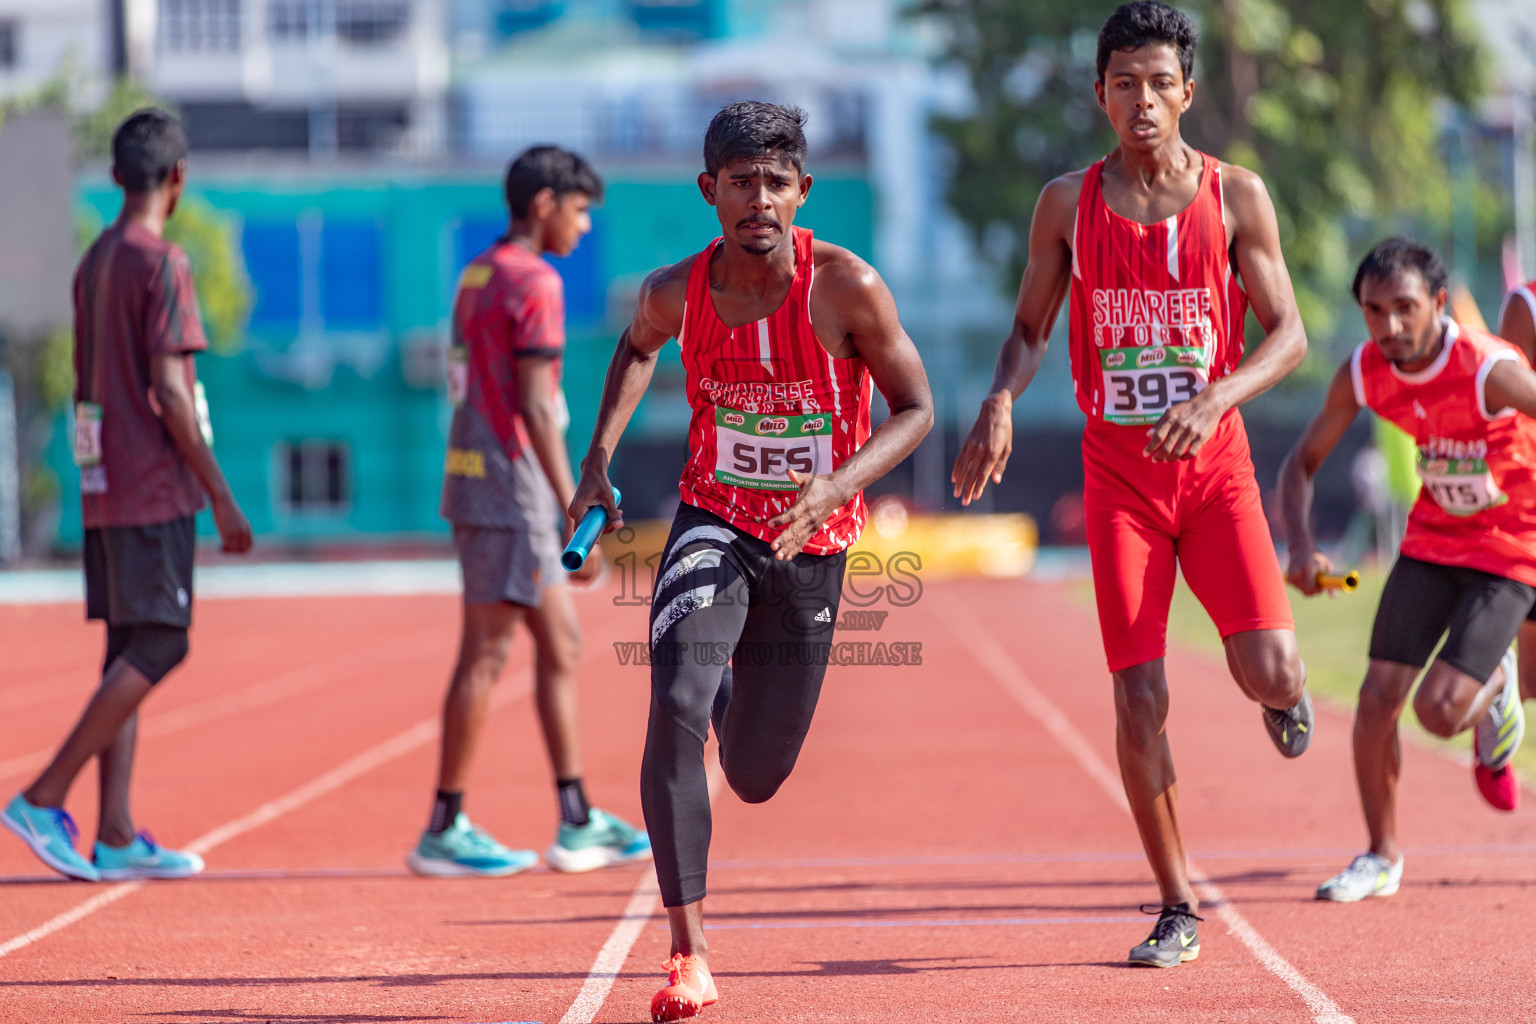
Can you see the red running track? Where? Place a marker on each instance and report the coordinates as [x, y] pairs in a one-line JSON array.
[[953, 842]]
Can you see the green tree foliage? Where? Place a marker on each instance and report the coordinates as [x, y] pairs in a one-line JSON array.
[[1338, 105], [218, 272], [94, 128]]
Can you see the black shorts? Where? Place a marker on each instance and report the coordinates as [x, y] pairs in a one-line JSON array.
[[1423, 600], [136, 575]]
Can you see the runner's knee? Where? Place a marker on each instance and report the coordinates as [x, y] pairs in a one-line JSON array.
[[755, 782], [1265, 662], [683, 692], [1442, 701], [154, 650], [1141, 704]]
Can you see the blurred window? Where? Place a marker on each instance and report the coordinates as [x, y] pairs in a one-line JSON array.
[[371, 127], [372, 22], [199, 26], [7, 44], [315, 271], [314, 477], [678, 19], [288, 20], [351, 271], [514, 16], [272, 258]]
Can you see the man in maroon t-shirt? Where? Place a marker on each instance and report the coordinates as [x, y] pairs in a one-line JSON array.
[[141, 441], [506, 484]]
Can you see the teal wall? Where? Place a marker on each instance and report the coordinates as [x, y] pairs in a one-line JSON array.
[[346, 367]]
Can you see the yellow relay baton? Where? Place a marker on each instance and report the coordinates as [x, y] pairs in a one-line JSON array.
[[1348, 582]]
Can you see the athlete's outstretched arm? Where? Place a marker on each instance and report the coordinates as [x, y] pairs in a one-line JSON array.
[[1041, 292], [1296, 473], [1517, 327], [852, 305], [658, 317], [1185, 428]]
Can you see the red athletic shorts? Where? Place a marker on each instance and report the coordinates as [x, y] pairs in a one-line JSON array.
[[1204, 512]]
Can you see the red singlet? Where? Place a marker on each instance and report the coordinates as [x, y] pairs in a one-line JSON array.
[[1156, 315], [768, 398], [1477, 508]]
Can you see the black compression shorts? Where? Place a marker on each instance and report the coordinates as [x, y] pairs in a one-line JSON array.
[[1479, 614], [722, 597]]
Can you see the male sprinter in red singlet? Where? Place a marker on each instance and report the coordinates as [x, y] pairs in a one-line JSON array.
[[780, 451], [1161, 249], [1517, 325], [1467, 568]]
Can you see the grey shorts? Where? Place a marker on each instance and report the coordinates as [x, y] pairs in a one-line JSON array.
[[508, 564]]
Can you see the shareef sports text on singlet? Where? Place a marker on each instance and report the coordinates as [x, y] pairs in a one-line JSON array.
[[1161, 357]]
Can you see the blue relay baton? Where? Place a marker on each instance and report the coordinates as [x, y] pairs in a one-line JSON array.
[[587, 532]]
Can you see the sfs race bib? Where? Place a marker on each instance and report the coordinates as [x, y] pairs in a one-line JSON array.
[[1140, 384], [753, 450], [1462, 487]]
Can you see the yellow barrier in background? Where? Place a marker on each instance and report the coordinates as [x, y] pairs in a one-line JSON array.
[[945, 545]]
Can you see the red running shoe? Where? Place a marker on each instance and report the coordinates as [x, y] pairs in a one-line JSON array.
[[689, 989], [1500, 788]]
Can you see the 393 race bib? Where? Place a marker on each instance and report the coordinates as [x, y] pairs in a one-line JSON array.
[[1462, 487], [1140, 384], [458, 374], [758, 451], [87, 434]]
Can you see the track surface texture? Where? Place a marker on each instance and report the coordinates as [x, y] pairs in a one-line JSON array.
[[952, 846]]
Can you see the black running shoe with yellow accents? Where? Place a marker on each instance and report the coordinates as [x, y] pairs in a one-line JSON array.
[[1173, 939], [1291, 729]]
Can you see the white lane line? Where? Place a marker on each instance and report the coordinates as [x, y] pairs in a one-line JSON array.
[[292, 683], [1000, 664], [610, 959], [70, 916], [421, 733]]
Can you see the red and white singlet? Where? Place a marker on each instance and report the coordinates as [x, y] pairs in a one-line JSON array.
[[1156, 312], [768, 398], [1477, 508]]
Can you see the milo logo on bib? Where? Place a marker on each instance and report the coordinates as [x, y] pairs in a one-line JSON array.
[[1140, 384], [1460, 486], [759, 451]]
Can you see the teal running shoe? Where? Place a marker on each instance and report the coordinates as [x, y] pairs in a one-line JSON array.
[[50, 832], [144, 858], [463, 849], [605, 839]]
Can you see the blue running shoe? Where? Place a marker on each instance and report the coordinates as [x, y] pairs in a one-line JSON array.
[[463, 849], [50, 832], [144, 858], [603, 840]]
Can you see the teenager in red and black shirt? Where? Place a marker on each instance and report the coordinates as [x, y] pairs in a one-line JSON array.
[[141, 441], [506, 484]]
